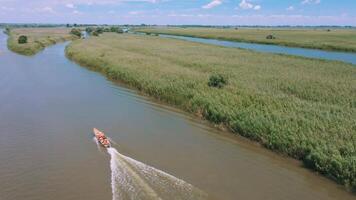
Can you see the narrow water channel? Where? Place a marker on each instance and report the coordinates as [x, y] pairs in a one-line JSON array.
[[304, 52], [49, 105]]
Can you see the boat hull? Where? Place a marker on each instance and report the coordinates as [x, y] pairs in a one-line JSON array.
[[102, 139]]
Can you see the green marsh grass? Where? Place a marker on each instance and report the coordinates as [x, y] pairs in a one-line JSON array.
[[37, 39], [335, 39], [304, 108]]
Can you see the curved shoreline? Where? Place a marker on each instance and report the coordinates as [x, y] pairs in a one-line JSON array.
[[35, 44], [114, 76], [330, 48], [107, 68]]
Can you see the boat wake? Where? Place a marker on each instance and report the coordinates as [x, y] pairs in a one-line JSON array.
[[131, 179], [97, 144]]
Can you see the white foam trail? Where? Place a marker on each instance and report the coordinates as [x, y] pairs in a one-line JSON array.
[[112, 141], [131, 179], [97, 144], [125, 182]]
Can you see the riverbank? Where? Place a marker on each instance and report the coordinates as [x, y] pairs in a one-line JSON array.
[[325, 39], [37, 39], [347, 57], [303, 108]]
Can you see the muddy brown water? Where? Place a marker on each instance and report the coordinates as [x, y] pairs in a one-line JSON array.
[[48, 106]]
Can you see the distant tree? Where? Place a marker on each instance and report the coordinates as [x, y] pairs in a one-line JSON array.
[[22, 39], [89, 30], [68, 25], [7, 30], [99, 30], [270, 37], [76, 32], [75, 25], [116, 29]]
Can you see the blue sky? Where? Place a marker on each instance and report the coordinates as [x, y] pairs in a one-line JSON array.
[[205, 12]]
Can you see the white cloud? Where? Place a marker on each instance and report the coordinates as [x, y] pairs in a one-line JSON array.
[[290, 8], [245, 4], [311, 2], [47, 9], [257, 7], [70, 5], [76, 12], [212, 4]]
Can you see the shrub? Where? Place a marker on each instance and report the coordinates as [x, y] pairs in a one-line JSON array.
[[270, 37], [7, 30], [89, 30], [116, 30], [217, 80], [22, 39], [95, 33], [113, 29], [76, 32], [99, 30]]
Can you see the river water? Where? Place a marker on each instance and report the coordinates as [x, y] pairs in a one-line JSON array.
[[49, 105], [267, 48]]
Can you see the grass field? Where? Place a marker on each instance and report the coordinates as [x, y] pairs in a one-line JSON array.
[[335, 39], [301, 107], [38, 39]]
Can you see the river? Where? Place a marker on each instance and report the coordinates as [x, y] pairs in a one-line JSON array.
[[49, 105], [268, 48]]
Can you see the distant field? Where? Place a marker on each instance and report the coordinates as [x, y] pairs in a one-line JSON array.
[[38, 38], [335, 39], [301, 107]]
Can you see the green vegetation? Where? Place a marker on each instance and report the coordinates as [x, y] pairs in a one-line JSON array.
[[217, 80], [89, 30], [22, 39], [77, 32], [304, 108], [115, 29], [270, 37], [37, 39], [99, 30], [335, 39], [7, 30]]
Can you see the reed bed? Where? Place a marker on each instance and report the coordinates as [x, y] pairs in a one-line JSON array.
[[326, 39], [303, 108], [37, 39]]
